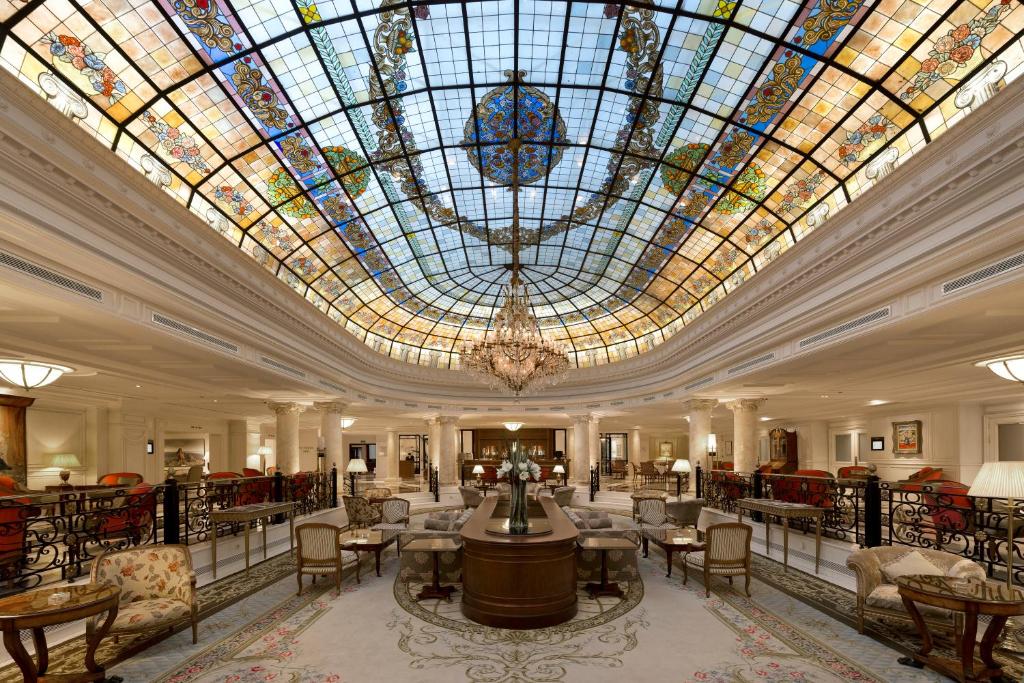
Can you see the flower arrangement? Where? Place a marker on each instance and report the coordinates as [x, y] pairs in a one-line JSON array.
[[525, 470], [519, 469]]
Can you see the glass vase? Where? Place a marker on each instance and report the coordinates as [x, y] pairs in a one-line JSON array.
[[518, 522]]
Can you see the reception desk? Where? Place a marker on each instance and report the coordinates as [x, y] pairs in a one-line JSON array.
[[519, 581]]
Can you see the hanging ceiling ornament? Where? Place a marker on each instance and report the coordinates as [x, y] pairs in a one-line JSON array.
[[513, 356]]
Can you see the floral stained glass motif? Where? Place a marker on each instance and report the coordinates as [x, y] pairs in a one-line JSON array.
[[361, 152]]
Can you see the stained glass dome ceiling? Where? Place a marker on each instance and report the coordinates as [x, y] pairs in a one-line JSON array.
[[360, 151]]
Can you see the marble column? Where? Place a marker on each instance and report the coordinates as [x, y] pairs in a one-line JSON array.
[[744, 433], [433, 443], [581, 450], [237, 444], [391, 457], [699, 412], [287, 435], [330, 431], [635, 450], [594, 441], [449, 455]]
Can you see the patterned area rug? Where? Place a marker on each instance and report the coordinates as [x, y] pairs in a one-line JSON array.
[[662, 630]]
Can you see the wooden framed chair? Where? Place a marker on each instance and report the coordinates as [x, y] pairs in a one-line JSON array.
[[158, 588], [319, 553], [726, 553]]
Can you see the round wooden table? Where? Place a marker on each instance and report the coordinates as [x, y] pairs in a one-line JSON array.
[[34, 611], [971, 597]]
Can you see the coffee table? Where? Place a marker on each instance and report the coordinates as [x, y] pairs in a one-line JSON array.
[[374, 541], [673, 541], [434, 546], [604, 544], [34, 611], [972, 597]]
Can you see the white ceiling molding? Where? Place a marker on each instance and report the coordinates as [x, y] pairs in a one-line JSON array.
[[52, 277], [976, 277]]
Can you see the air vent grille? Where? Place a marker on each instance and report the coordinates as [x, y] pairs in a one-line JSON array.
[[278, 365], [52, 277], [331, 385], [847, 327], [746, 365], [183, 328], [988, 272], [699, 383]]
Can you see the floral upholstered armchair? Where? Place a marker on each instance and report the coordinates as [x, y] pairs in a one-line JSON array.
[[158, 588], [360, 512]]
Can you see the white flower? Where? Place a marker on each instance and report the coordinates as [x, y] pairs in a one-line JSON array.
[[522, 466], [524, 476]]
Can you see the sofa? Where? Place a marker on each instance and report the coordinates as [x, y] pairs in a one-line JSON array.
[[419, 566], [877, 568], [622, 565]]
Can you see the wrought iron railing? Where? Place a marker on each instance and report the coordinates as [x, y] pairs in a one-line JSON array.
[[595, 482], [868, 512], [435, 484], [54, 536]]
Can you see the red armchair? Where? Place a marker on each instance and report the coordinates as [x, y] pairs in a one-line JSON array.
[[121, 479], [16, 513], [250, 472], [853, 472], [812, 490], [258, 491], [130, 516]]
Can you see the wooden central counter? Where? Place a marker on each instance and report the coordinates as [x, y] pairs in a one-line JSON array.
[[519, 581]]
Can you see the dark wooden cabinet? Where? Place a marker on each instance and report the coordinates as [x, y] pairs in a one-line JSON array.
[[782, 451]]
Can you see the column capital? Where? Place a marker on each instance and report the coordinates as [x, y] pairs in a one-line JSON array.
[[746, 404], [285, 407], [581, 419], [391, 430], [448, 419], [699, 404], [331, 407]]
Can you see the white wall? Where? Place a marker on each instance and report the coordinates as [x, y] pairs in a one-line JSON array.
[[58, 430]]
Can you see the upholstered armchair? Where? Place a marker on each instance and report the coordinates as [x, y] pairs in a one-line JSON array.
[[685, 512], [471, 497], [319, 553], [360, 512], [378, 493], [563, 495], [638, 496], [394, 514], [120, 479], [158, 588], [878, 568], [726, 553], [652, 513]]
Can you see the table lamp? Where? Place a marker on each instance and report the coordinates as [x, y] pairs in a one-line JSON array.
[[65, 461], [478, 470], [355, 466], [712, 450], [1002, 480], [680, 467], [560, 471]]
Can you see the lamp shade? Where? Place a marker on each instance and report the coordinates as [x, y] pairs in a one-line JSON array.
[[30, 374], [264, 451], [712, 443], [999, 480], [682, 466], [558, 469], [513, 426], [356, 466], [478, 469], [1007, 368], [347, 422], [254, 462], [65, 461]]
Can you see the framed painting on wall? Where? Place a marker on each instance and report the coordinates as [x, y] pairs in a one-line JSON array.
[[665, 450], [906, 437]]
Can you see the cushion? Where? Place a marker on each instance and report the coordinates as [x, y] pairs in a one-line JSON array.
[[887, 597], [696, 559], [462, 519], [575, 518], [911, 563], [144, 614], [597, 520], [436, 524]]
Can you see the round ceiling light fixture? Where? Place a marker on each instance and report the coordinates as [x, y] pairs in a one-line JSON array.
[[347, 422], [513, 426], [1011, 367], [30, 374]]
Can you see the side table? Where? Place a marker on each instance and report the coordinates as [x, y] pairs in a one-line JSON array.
[[603, 545], [34, 611], [972, 597], [434, 546]]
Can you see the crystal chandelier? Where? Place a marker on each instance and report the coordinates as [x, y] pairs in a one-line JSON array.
[[513, 355]]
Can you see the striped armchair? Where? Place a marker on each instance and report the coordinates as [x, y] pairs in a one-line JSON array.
[[727, 553], [394, 514], [319, 553], [651, 513]]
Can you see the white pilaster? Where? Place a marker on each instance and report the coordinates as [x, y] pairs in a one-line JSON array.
[[330, 429], [594, 442], [390, 459], [449, 454], [580, 452], [236, 445]]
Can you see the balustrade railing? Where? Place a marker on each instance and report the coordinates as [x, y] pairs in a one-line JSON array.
[[870, 513], [54, 536]]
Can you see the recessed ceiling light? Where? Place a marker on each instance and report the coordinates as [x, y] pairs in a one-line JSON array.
[[765, 418], [824, 396], [138, 386], [877, 402]]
